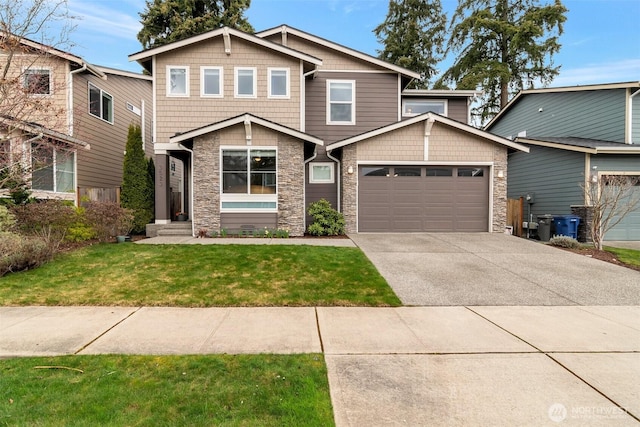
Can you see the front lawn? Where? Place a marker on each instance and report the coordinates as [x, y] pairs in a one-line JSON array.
[[630, 257], [220, 390], [202, 276]]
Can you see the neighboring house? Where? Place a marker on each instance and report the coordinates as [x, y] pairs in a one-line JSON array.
[[76, 145], [265, 124], [574, 134]]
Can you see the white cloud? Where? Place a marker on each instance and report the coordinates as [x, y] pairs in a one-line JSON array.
[[113, 18], [607, 72]]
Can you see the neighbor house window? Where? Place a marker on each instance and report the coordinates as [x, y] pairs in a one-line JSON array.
[[37, 81], [177, 81], [321, 173], [100, 103], [341, 102], [211, 82], [245, 82], [278, 82], [414, 107], [52, 169], [249, 179]]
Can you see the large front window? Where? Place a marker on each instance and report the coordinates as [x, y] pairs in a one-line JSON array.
[[249, 179], [52, 170], [341, 102]]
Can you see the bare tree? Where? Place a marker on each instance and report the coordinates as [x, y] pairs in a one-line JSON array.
[[34, 35], [610, 198]]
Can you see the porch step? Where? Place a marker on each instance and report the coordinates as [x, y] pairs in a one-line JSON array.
[[176, 228]]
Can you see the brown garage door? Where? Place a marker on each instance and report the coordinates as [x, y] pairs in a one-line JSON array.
[[423, 198]]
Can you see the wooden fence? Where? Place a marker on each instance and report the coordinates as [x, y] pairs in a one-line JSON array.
[[89, 194], [515, 215]]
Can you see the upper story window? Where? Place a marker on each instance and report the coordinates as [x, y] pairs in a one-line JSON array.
[[414, 107], [177, 80], [211, 82], [100, 103], [245, 82], [341, 104], [37, 81], [278, 82]]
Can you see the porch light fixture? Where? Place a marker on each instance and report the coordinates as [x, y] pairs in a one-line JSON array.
[[350, 170], [500, 174]]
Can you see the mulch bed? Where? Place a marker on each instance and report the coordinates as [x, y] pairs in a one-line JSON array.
[[602, 255]]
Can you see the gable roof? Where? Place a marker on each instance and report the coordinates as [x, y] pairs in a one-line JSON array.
[[49, 50], [583, 145], [124, 73], [246, 119], [338, 47], [222, 32], [522, 93], [41, 131], [435, 118]]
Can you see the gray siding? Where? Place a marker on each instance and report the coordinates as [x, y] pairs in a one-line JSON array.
[[553, 175], [457, 109], [315, 192], [616, 163], [101, 166], [635, 119], [247, 222], [598, 114]]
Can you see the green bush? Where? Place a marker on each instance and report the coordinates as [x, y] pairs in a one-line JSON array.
[[7, 219], [80, 230], [48, 219], [564, 242], [137, 186], [108, 219], [18, 253], [326, 220]]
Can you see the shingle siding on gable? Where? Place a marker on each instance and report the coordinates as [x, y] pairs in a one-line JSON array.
[[553, 175], [176, 114], [598, 114]]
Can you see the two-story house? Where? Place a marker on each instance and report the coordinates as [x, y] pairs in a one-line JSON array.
[[266, 123], [72, 144], [575, 134]]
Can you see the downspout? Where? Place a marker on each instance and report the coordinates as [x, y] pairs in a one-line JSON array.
[[304, 188], [631, 116], [70, 102], [338, 177], [191, 192]]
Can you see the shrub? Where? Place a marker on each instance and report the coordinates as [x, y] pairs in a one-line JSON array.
[[326, 220], [7, 219], [18, 253], [564, 242], [108, 219], [48, 219], [80, 230], [137, 185]]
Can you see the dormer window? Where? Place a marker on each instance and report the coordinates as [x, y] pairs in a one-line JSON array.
[[415, 107], [37, 81]]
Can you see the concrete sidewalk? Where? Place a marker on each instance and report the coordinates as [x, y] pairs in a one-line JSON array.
[[389, 366]]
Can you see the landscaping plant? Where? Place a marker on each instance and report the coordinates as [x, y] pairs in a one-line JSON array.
[[137, 190], [326, 220]]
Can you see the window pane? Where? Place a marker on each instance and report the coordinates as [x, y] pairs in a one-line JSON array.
[[439, 172], [470, 172], [263, 183], [107, 107], [41, 168], [321, 173], [234, 183], [37, 82], [414, 107], [263, 160], [279, 83], [178, 81], [340, 112], [234, 160], [405, 171], [245, 82], [94, 101], [212, 82], [234, 167], [340, 92], [64, 172], [375, 171], [249, 205]]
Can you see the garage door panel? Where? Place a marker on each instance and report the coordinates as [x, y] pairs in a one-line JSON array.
[[437, 200]]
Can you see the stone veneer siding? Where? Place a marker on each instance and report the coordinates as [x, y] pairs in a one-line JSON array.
[[290, 179], [461, 147]]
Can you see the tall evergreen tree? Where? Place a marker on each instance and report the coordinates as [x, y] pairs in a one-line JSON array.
[[504, 46], [166, 21], [413, 36], [135, 193]]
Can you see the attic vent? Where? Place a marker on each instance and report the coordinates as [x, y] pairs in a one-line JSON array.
[[135, 110]]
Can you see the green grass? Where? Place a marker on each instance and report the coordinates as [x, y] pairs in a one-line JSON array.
[[627, 256], [221, 390], [202, 276]]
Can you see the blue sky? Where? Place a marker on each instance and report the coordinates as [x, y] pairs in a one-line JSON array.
[[600, 43]]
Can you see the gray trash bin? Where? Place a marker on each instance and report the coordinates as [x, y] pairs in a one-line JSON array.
[[544, 227]]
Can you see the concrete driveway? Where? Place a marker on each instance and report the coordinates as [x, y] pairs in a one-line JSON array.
[[485, 269]]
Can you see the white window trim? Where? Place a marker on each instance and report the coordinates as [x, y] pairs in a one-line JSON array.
[[444, 101], [254, 70], [287, 83], [221, 82], [314, 180], [353, 103], [39, 95], [186, 85], [234, 197], [102, 93]]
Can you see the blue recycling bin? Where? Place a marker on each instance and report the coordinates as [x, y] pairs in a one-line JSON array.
[[567, 225]]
